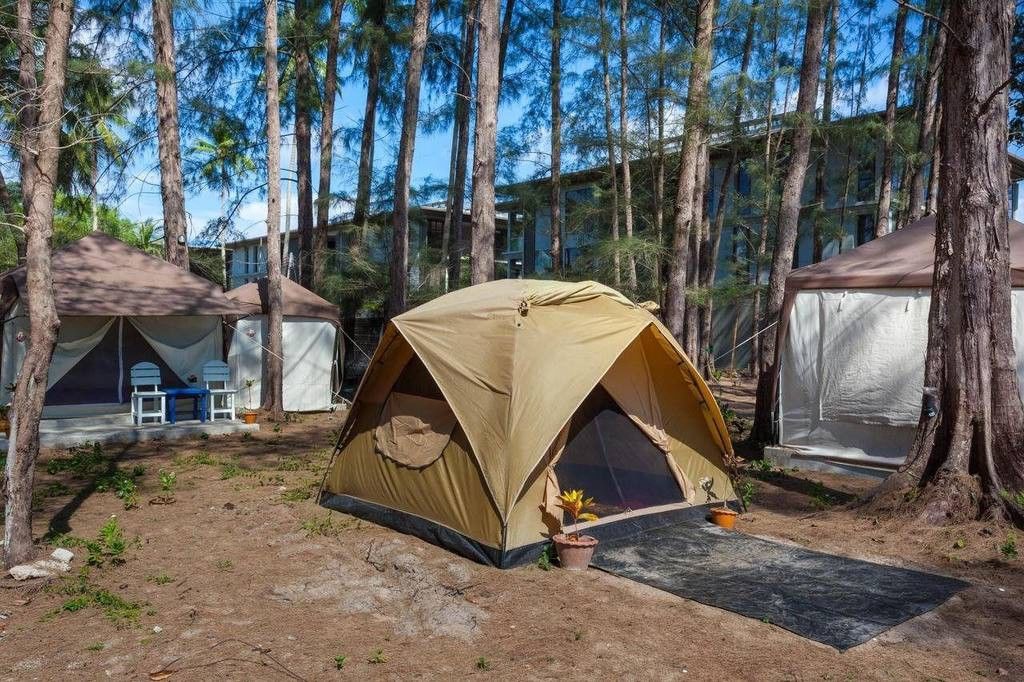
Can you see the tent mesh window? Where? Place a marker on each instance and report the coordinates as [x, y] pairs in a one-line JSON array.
[[611, 460]]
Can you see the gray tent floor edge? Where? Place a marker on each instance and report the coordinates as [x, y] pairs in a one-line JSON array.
[[438, 534]]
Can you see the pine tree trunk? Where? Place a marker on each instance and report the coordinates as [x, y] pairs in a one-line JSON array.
[[627, 183], [693, 138], [451, 250], [711, 248], [42, 148], [556, 137], [484, 144], [375, 13], [323, 193], [882, 222], [659, 170], [966, 460], [273, 400], [770, 154], [820, 167], [926, 147], [789, 214], [698, 237], [506, 33], [613, 172], [304, 97], [403, 171], [168, 138]]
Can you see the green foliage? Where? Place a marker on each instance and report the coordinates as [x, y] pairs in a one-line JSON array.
[[123, 485], [168, 480], [160, 578], [325, 527], [1017, 498], [202, 458], [746, 490], [82, 593], [545, 560], [296, 495], [764, 468], [98, 646], [224, 565], [1009, 547], [377, 657], [83, 461], [820, 496], [230, 470], [339, 661], [960, 543], [483, 664]]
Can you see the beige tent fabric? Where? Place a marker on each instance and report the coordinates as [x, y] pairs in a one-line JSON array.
[[514, 359], [629, 384], [414, 430], [296, 300], [185, 342]]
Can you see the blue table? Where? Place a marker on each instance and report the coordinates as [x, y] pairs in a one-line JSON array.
[[199, 402]]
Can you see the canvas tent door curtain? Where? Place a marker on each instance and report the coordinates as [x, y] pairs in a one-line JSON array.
[[94, 354], [480, 407]]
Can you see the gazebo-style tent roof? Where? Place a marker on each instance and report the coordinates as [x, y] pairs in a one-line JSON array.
[[297, 301], [101, 275]]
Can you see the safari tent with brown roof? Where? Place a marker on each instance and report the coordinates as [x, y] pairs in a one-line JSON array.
[[852, 344]]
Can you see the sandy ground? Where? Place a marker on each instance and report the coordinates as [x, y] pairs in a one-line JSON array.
[[244, 577]]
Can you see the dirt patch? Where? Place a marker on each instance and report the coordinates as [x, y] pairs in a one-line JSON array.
[[244, 577]]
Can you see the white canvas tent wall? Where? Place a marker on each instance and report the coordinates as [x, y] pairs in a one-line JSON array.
[[853, 344], [311, 350], [117, 306]]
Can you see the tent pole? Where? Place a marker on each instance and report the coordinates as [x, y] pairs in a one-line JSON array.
[[120, 359]]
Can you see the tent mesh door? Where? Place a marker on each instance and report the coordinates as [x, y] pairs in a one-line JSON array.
[[611, 460]]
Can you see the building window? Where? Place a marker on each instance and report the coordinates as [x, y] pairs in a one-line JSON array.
[[865, 228], [866, 181], [742, 181]]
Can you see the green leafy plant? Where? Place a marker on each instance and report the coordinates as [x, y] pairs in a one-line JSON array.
[[168, 480], [544, 561], [225, 565], [98, 646], [160, 579], [1009, 547], [325, 526], [296, 495], [81, 593], [84, 461], [339, 661], [483, 664], [746, 491], [820, 496], [229, 470], [960, 543], [377, 657]]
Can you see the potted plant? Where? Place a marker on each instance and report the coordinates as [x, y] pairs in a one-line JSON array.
[[575, 550], [5, 423], [721, 515], [249, 414]]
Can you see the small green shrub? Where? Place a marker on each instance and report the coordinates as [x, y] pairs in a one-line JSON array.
[[168, 480], [123, 485], [229, 470], [1009, 547], [296, 495], [224, 565], [746, 491], [483, 664], [960, 543], [764, 467], [198, 459], [98, 646], [325, 526], [84, 461], [1016, 498], [160, 578], [377, 657], [84, 594], [339, 661], [821, 498], [545, 560]]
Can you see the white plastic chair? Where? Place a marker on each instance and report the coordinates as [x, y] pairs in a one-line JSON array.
[[217, 376], [146, 375]]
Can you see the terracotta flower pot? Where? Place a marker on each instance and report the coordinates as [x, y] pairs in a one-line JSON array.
[[249, 417], [724, 517], [574, 553], [5, 425]]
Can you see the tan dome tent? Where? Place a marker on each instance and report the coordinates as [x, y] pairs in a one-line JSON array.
[[479, 406], [852, 348], [312, 352]]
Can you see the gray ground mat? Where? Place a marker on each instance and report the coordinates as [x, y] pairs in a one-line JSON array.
[[839, 601]]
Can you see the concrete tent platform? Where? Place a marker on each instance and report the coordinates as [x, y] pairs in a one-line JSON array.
[[835, 600], [67, 432]]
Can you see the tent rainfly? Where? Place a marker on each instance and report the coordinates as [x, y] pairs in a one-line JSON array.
[[117, 306], [312, 354], [481, 405], [852, 347]]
